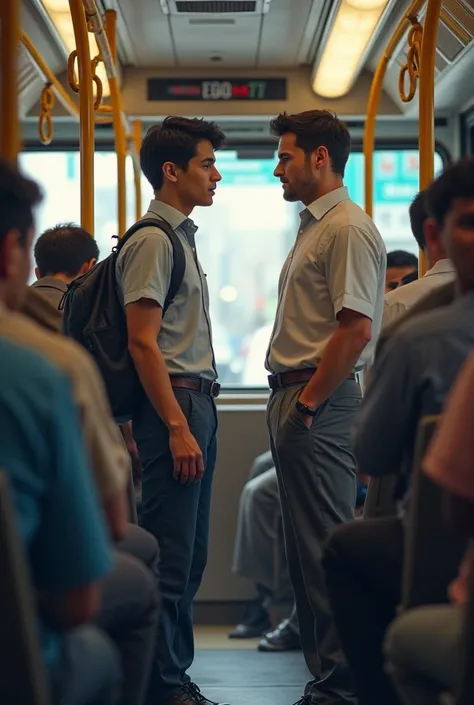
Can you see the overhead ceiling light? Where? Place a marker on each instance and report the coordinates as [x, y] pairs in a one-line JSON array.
[[60, 15], [349, 37]]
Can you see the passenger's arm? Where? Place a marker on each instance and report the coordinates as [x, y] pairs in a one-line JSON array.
[[460, 512], [386, 423], [449, 460], [352, 262], [339, 358], [71, 550], [106, 448], [70, 609], [143, 325]]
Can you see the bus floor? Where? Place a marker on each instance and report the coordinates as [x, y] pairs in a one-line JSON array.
[[235, 672]]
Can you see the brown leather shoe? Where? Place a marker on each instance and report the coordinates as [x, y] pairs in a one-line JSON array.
[[189, 694]]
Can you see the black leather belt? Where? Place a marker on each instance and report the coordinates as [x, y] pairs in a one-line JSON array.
[[196, 384], [286, 379]]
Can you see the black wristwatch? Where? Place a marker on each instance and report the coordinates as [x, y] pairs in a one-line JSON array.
[[303, 409]]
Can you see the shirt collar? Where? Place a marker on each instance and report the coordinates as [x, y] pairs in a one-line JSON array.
[[442, 266], [52, 282], [172, 216], [318, 208]]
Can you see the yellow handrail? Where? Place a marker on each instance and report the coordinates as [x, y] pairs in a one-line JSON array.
[[426, 95], [137, 174], [86, 112], [43, 67], [9, 45], [106, 42], [374, 100]]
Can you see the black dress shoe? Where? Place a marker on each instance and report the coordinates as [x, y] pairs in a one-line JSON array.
[[283, 638], [255, 623], [189, 694]]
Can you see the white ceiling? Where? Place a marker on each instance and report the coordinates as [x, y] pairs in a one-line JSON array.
[[281, 37]]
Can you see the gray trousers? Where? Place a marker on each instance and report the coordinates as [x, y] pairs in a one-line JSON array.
[[423, 649], [317, 481], [259, 551], [130, 610]]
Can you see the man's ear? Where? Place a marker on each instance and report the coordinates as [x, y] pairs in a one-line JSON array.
[[431, 231], [9, 254]]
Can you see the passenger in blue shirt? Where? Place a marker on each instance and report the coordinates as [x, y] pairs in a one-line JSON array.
[[42, 453]]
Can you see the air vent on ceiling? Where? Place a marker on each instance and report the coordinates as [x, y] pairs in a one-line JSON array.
[[456, 32], [215, 7]]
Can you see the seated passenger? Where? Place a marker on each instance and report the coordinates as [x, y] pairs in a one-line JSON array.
[[399, 263], [257, 540], [42, 453], [62, 254], [129, 608], [410, 379], [398, 302], [440, 267], [423, 646]]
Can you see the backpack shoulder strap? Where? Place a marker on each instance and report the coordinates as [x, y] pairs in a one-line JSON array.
[[179, 258]]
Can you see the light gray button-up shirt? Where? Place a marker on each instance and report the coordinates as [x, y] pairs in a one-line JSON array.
[[399, 300], [338, 261], [144, 269]]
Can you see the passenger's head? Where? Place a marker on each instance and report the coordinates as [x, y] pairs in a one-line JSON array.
[[18, 197], [450, 204], [428, 238], [399, 264], [178, 159], [313, 150], [408, 278], [65, 252]]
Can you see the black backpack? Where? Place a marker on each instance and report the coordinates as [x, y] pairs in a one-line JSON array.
[[94, 316]]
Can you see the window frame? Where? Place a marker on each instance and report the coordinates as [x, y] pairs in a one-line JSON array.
[[234, 391]]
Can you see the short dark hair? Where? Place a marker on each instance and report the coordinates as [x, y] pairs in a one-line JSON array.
[[175, 140], [18, 197], [64, 249], [316, 128], [408, 278], [456, 181], [418, 215], [401, 258]]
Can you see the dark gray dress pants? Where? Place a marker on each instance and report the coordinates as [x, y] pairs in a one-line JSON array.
[[317, 481]]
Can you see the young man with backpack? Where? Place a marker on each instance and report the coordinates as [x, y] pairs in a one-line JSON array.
[[170, 343]]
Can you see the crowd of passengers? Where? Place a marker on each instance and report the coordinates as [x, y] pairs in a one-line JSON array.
[[114, 600]]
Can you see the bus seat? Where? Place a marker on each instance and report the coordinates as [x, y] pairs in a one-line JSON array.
[[379, 501], [433, 550], [22, 675], [465, 695]]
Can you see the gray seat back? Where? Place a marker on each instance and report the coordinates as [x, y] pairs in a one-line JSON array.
[[433, 550]]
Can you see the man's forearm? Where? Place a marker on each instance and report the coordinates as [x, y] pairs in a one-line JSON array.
[[337, 363], [154, 376]]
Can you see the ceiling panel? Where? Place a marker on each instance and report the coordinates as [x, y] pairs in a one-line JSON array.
[[149, 32], [285, 28], [30, 80], [234, 40]]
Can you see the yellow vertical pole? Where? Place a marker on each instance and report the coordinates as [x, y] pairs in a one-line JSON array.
[[137, 139], [374, 100], [9, 44], [426, 102], [369, 132], [119, 128], [86, 114]]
